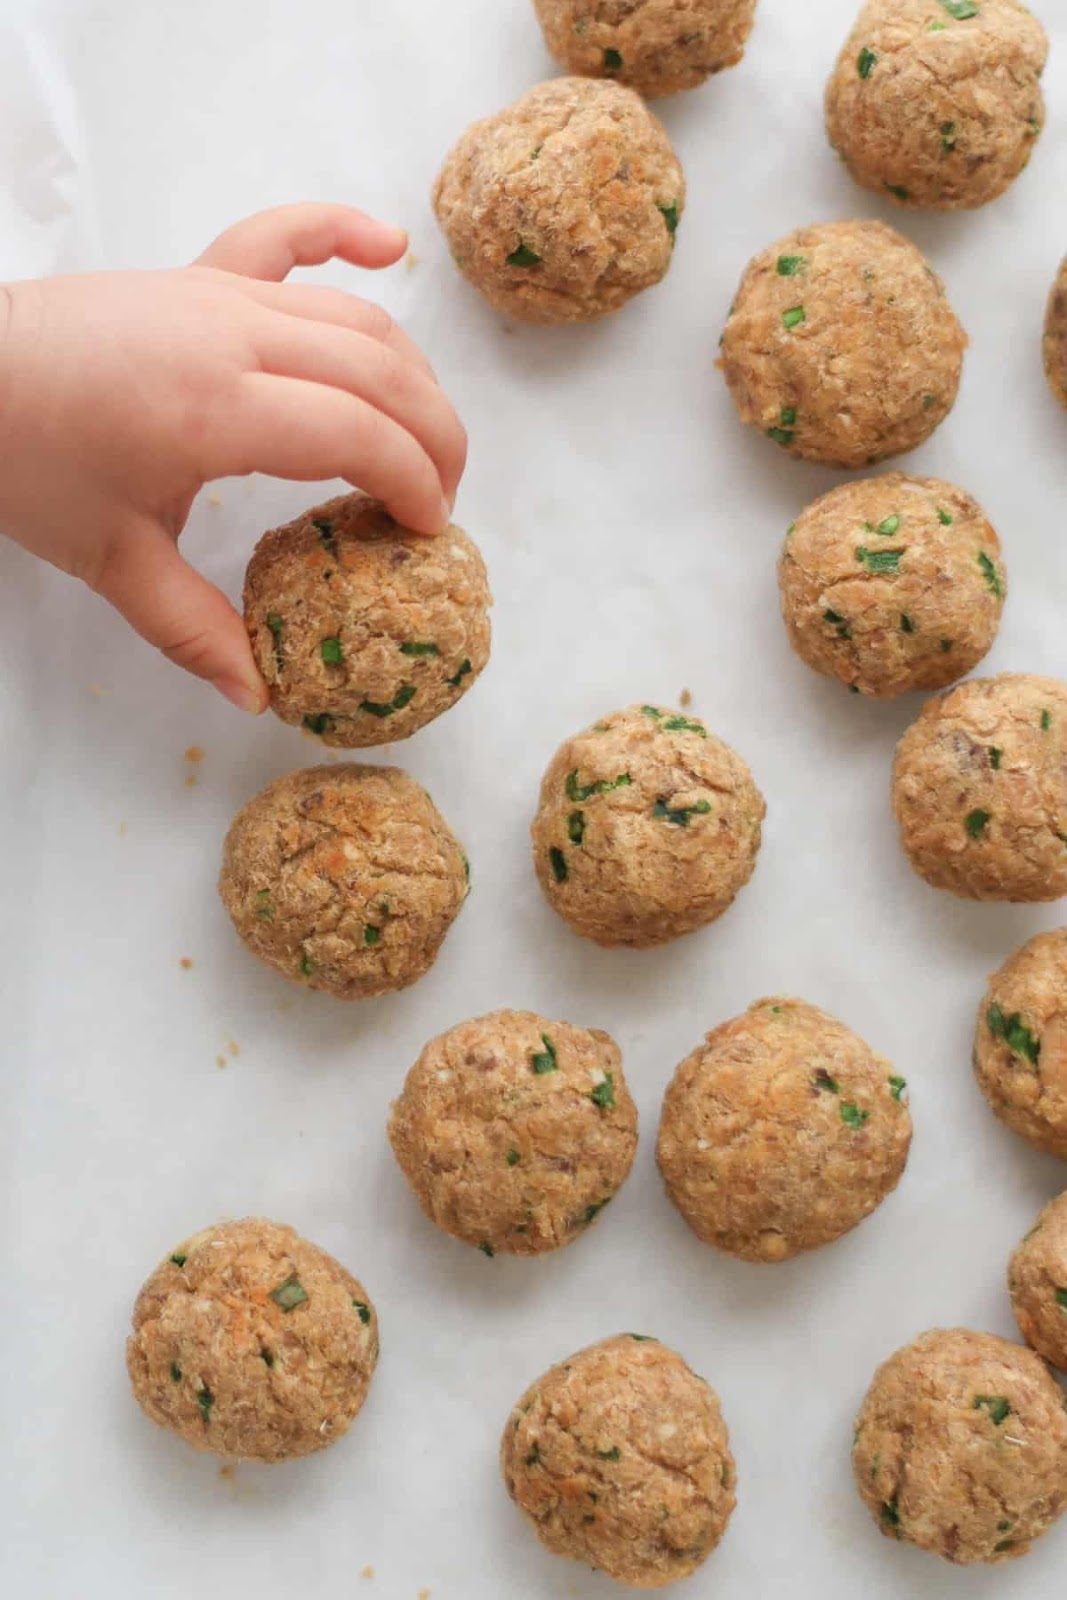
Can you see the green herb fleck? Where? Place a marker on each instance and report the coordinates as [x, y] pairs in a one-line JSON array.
[[524, 257], [592, 1211], [513, 1158], [610, 1455], [897, 1086], [290, 1294], [652, 711], [891, 1515], [371, 934], [822, 1080], [403, 697], [897, 189], [853, 1115], [267, 1357], [782, 436], [936, 27], [685, 725], [576, 827], [205, 1400], [643, 1338], [789, 416], [612, 61], [325, 533], [681, 814], [178, 1259], [604, 1093], [948, 137], [889, 527], [264, 909], [307, 966], [946, 646], [960, 9], [176, 1372], [998, 1408], [838, 621], [670, 216], [363, 1310], [274, 623], [944, 518], [1003, 1527], [1016, 1035], [535, 154], [992, 576], [929, 402], [486, 1248], [794, 316], [879, 560], [584, 791], [412, 647], [995, 755], [865, 62], [1061, 1299], [331, 652], [545, 1060], [906, 624], [1034, 126], [1046, 721], [975, 822], [1002, 1545], [791, 266], [319, 723], [534, 1457], [465, 669], [558, 863]]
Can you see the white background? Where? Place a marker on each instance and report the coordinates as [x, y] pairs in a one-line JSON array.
[[631, 528]]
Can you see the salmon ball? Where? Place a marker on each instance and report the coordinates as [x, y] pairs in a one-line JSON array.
[[565, 205], [515, 1131], [781, 1132], [892, 584], [648, 827], [1020, 1043], [1055, 346], [344, 878], [657, 47], [980, 788], [620, 1459], [1037, 1283], [253, 1343], [938, 102], [841, 345], [364, 631], [961, 1447]]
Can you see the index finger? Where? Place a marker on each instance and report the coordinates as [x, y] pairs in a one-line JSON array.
[[271, 243]]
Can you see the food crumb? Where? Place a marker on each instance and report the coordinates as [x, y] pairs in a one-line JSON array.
[[96, 691], [194, 754], [229, 1472], [186, 963], [411, 261], [233, 1047], [424, 1594], [214, 499], [123, 829], [368, 1572], [191, 780], [685, 699], [220, 1061]]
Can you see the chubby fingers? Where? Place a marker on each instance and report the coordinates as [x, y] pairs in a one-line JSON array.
[[292, 428], [316, 303], [271, 243], [293, 348], [176, 609]]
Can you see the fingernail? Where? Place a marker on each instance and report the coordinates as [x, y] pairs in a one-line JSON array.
[[446, 516], [245, 696]]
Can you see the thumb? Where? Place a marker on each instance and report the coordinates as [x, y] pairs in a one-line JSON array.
[[182, 614]]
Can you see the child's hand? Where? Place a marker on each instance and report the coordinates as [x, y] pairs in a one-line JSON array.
[[123, 393]]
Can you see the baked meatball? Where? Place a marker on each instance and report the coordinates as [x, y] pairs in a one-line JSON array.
[[1037, 1283], [938, 102], [781, 1132], [1020, 1044], [562, 207], [961, 1446], [841, 345], [344, 878], [253, 1343], [621, 1460], [885, 584], [1055, 346], [365, 632], [515, 1131], [655, 46], [648, 826], [980, 787]]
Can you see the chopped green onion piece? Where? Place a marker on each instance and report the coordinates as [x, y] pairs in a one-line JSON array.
[[545, 1060], [331, 653], [794, 316], [179, 1260], [992, 576], [402, 698], [523, 257], [865, 62], [558, 861], [612, 61], [576, 827], [670, 215], [412, 647], [897, 1086], [853, 1115], [791, 266], [205, 1400], [363, 1310], [290, 1294], [998, 1408], [680, 816], [879, 560], [464, 670], [486, 1248], [975, 822], [604, 1093]]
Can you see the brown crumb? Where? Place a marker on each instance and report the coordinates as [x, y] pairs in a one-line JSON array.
[[233, 1047], [194, 754], [685, 699], [229, 1472], [424, 1594], [368, 1572], [220, 1061], [187, 963], [411, 261], [191, 780], [96, 691], [214, 499]]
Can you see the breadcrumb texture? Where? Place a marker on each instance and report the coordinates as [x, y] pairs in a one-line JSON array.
[[961, 1447], [253, 1343], [343, 878], [781, 1132], [938, 110], [364, 631], [620, 1458], [1020, 1043], [515, 1131], [658, 47], [1055, 344], [563, 206], [841, 345], [883, 588], [980, 789], [1037, 1283], [647, 828]]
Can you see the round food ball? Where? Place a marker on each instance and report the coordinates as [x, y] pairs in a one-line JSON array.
[[1055, 346], [253, 1343], [961, 1446], [1037, 1281], [344, 878], [1020, 1044], [657, 47], [515, 1131], [938, 117], [620, 1458], [562, 207], [885, 584], [781, 1132], [841, 345], [364, 631], [648, 826], [980, 788]]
